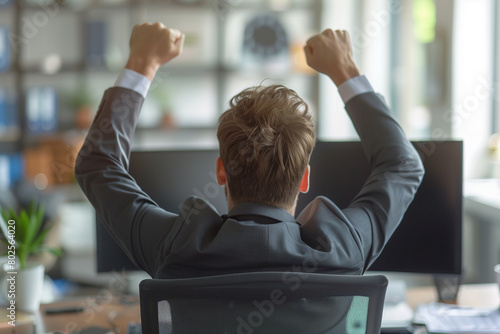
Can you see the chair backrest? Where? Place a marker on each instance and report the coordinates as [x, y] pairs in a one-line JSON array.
[[264, 302]]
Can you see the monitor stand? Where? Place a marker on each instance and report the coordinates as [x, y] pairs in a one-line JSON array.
[[397, 313]]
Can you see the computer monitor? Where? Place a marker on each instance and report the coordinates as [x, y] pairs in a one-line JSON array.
[[428, 240], [168, 177]]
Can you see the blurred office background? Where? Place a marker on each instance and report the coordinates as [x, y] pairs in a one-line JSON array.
[[435, 61]]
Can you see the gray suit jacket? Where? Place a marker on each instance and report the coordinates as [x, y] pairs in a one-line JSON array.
[[253, 237]]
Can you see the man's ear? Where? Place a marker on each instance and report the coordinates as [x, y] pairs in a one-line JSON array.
[[221, 172], [304, 185]]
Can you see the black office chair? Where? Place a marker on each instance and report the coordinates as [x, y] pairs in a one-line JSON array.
[[263, 302]]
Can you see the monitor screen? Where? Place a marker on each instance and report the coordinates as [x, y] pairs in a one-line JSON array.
[[168, 177], [428, 240]]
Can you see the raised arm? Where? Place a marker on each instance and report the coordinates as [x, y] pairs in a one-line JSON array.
[[396, 168], [330, 53], [102, 164], [152, 46]]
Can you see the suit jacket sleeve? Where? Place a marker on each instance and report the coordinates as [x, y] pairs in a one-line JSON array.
[[102, 172], [396, 173]]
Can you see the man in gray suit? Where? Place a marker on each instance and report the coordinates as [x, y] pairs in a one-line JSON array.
[[266, 138]]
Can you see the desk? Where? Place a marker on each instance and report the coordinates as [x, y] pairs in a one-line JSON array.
[[474, 295], [108, 314], [116, 313]]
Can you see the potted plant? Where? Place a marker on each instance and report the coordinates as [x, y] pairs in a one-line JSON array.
[[81, 101], [26, 232], [161, 94]]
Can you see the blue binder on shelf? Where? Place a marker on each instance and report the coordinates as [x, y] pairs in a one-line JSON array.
[[9, 122], [4, 49], [12, 113], [3, 111], [96, 44], [11, 169], [41, 110]]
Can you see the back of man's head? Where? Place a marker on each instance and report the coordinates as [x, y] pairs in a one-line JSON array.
[[266, 138]]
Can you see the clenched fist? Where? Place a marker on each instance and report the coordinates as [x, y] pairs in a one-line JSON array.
[[331, 53], [152, 45]]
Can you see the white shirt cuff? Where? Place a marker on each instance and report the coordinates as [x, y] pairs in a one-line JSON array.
[[132, 80], [353, 87]]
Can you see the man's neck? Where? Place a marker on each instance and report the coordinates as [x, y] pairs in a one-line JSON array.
[[231, 205]]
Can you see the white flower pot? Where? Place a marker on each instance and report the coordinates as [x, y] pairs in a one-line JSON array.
[[23, 288]]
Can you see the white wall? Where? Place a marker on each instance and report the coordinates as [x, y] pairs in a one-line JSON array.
[[473, 86]]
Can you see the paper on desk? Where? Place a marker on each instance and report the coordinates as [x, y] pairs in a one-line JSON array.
[[444, 318]]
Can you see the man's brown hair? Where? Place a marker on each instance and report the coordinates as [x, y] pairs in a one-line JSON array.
[[266, 138]]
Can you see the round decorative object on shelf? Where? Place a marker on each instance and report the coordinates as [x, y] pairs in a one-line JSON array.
[[265, 37], [51, 64]]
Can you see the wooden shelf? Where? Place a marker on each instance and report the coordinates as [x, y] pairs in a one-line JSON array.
[[20, 77], [63, 69], [69, 6]]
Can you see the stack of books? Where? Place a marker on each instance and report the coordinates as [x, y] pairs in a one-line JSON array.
[[41, 110], [11, 169], [9, 122]]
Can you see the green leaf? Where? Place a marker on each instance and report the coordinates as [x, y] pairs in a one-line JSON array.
[[55, 251], [11, 214], [22, 223], [43, 248], [38, 241], [34, 225], [22, 255], [39, 215], [20, 246], [32, 208]]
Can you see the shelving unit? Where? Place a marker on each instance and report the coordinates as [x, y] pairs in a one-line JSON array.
[[199, 84]]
